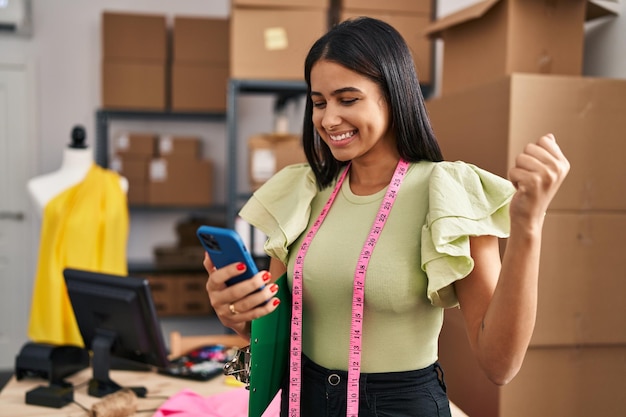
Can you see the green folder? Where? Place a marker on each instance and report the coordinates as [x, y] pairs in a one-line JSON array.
[[269, 352]]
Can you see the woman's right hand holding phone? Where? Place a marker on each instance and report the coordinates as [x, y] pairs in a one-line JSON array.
[[238, 304]]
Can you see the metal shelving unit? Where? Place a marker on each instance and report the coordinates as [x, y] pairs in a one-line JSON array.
[[104, 118], [236, 88]]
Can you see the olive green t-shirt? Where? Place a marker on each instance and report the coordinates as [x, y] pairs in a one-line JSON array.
[[422, 250]]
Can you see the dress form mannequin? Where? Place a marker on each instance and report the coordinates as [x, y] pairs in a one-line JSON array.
[[74, 203], [77, 160]]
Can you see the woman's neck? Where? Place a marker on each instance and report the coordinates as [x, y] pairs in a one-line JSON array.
[[369, 178]]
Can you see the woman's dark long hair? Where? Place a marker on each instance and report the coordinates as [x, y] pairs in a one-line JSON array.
[[377, 51]]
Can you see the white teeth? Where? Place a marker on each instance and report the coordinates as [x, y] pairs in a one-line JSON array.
[[343, 136]]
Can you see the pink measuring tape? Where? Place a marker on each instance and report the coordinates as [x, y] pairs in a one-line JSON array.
[[354, 368]]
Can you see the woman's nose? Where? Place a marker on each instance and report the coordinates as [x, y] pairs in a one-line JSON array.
[[331, 118]]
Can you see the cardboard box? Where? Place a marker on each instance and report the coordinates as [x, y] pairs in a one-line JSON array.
[[313, 4], [179, 294], [186, 228], [179, 257], [181, 182], [201, 40], [194, 298], [560, 381], [135, 144], [582, 255], [138, 193], [273, 43], [494, 38], [179, 146], [134, 85], [491, 124], [134, 168], [164, 295], [269, 153], [199, 88], [134, 37], [410, 6], [411, 26]]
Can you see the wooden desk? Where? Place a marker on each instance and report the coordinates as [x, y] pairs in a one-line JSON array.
[[12, 397]]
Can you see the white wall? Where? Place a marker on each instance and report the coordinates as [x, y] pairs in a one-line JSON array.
[[605, 46]]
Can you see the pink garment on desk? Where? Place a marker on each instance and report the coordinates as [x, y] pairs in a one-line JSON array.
[[232, 403]]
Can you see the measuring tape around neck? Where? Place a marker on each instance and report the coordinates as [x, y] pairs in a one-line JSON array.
[[358, 296]]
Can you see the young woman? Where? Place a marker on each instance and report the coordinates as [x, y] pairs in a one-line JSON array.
[[378, 235]]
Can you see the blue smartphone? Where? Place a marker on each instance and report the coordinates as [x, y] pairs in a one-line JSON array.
[[225, 247]]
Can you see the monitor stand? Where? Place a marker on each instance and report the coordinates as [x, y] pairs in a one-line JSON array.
[[101, 384]]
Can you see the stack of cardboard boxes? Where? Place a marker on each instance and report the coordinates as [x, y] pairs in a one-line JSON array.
[[511, 73], [134, 61], [200, 67], [140, 71], [163, 170]]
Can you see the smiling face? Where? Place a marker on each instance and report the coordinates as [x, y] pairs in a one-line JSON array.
[[350, 113]]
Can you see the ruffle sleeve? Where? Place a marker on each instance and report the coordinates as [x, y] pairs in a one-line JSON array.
[[464, 201], [281, 208]]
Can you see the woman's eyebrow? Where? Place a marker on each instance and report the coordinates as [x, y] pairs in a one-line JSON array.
[[338, 91]]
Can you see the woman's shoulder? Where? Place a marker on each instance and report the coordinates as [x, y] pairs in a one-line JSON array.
[[281, 207], [461, 184], [289, 178], [466, 174]]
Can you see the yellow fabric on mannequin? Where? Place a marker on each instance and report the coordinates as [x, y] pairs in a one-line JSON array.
[[84, 227]]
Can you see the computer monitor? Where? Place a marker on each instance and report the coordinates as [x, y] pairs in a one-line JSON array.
[[117, 319]]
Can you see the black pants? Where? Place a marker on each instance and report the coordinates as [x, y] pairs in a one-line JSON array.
[[420, 393]]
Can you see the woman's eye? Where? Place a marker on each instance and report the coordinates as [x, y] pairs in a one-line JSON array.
[[348, 101], [319, 104]]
